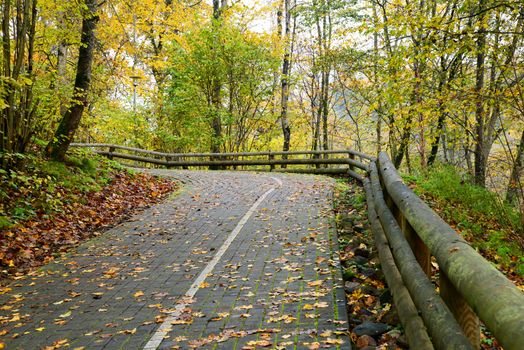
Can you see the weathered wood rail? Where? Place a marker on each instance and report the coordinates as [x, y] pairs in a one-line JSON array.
[[445, 314], [408, 234], [346, 158]]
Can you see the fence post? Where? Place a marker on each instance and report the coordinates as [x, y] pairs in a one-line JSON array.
[[464, 314], [418, 247], [352, 157], [111, 150], [271, 157]]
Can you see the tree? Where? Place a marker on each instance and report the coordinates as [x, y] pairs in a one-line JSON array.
[[65, 132], [216, 84], [286, 71], [514, 188], [17, 105]]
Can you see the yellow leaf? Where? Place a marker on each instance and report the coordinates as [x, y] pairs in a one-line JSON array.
[[263, 343], [39, 329], [315, 283], [313, 346], [334, 341], [67, 314], [321, 304], [138, 294], [128, 331], [326, 334]]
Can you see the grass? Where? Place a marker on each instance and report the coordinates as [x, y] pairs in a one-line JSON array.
[[494, 228], [43, 186]]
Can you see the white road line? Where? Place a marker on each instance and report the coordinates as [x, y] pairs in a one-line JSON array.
[[165, 327], [280, 183]]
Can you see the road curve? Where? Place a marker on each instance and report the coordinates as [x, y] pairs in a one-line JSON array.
[[235, 261]]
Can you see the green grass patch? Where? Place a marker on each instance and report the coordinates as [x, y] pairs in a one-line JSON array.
[[43, 186], [491, 226]]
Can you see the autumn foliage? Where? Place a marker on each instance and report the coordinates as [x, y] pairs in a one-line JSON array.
[[83, 213]]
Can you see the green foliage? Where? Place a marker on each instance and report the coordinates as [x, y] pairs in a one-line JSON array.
[[446, 183], [476, 213], [44, 186], [5, 222], [242, 64]]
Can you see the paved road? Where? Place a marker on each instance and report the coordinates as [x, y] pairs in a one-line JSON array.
[[235, 261]]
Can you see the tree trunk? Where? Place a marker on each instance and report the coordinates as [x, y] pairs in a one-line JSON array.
[[61, 72], [18, 35], [444, 81], [65, 132], [216, 120], [480, 159], [286, 68], [514, 187], [378, 126]]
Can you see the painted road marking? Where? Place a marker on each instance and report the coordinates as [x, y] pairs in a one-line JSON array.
[[280, 183], [166, 326]]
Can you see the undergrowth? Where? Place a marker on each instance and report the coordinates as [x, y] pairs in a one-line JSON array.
[[44, 186], [49, 207], [492, 227]]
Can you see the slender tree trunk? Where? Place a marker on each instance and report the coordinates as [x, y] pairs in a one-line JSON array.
[[286, 68], [276, 74], [480, 159], [216, 120], [403, 147], [67, 128], [378, 126], [326, 69], [61, 72], [440, 122], [514, 187], [315, 110], [325, 113]]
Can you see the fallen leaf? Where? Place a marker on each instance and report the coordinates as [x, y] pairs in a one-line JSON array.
[[315, 283]]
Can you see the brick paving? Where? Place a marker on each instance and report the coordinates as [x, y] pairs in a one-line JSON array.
[[277, 286]]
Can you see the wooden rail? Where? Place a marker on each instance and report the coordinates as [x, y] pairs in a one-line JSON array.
[[407, 235], [244, 159]]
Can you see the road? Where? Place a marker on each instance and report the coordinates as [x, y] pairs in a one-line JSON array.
[[234, 261]]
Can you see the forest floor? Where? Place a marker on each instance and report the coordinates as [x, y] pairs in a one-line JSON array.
[[373, 320], [51, 207]]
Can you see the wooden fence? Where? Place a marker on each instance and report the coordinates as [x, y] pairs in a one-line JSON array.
[[440, 308], [407, 235], [348, 161]]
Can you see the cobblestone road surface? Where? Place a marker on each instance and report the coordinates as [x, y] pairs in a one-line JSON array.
[[168, 279]]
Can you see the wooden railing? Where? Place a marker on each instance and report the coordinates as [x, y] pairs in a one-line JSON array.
[[439, 307], [408, 234], [345, 158]]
